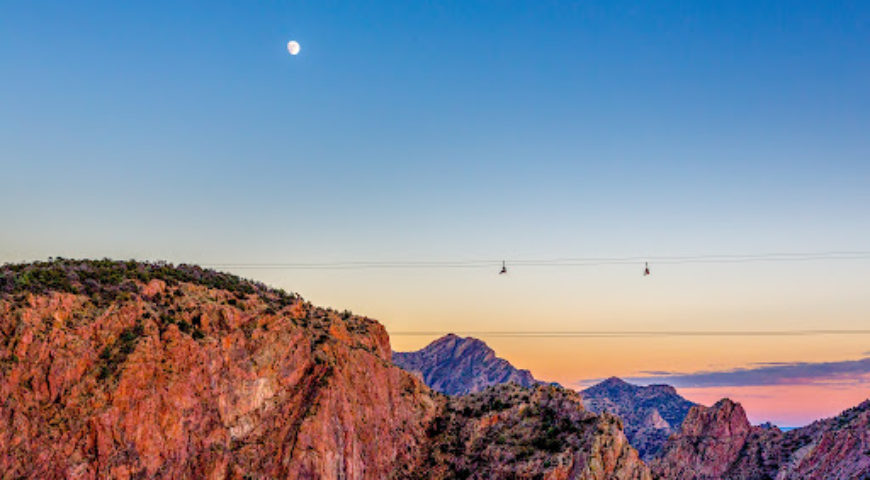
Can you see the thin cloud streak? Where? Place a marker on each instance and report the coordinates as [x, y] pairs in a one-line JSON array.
[[843, 373]]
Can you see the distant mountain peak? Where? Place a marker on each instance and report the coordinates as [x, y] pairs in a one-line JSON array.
[[450, 337], [457, 341], [460, 365], [650, 413], [614, 382]]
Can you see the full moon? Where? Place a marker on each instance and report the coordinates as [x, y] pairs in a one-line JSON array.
[[293, 47]]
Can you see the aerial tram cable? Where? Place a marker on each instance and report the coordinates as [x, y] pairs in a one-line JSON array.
[[555, 262]]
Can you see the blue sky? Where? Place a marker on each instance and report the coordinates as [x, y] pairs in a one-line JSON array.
[[735, 126], [458, 130]]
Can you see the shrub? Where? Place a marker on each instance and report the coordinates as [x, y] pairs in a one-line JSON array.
[[184, 326], [108, 277], [113, 356]]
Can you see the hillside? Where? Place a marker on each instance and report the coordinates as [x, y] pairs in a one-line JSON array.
[[457, 365], [651, 414], [460, 365], [507, 431], [719, 443], [134, 370]]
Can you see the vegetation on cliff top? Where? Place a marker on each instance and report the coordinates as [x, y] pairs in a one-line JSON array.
[[109, 284], [107, 279]]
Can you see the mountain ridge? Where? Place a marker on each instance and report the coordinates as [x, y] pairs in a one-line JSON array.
[[134, 370], [650, 413], [456, 365]]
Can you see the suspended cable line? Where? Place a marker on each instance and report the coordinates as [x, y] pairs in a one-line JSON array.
[[555, 262]]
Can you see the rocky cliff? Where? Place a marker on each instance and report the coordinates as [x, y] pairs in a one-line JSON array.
[[132, 370], [719, 443], [540, 433], [126, 370], [457, 365], [651, 414], [709, 443]]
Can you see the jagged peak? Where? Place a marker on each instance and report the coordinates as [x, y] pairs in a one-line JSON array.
[[768, 426], [610, 384], [447, 338], [726, 404], [615, 381], [726, 417], [719, 442], [453, 338], [662, 387], [458, 345], [458, 365]]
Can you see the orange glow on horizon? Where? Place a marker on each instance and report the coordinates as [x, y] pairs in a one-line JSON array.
[[577, 362]]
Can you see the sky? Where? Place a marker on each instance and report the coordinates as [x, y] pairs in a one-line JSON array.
[[468, 130]]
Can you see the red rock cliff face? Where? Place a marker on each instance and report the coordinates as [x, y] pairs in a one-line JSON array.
[[718, 443], [710, 441], [186, 381], [836, 448]]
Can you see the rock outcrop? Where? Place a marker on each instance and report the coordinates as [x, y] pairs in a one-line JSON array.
[[457, 365], [651, 414], [125, 370], [836, 448], [130, 370], [710, 442], [719, 443], [519, 433]]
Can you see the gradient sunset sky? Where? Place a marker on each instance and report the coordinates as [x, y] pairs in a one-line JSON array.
[[466, 130]]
